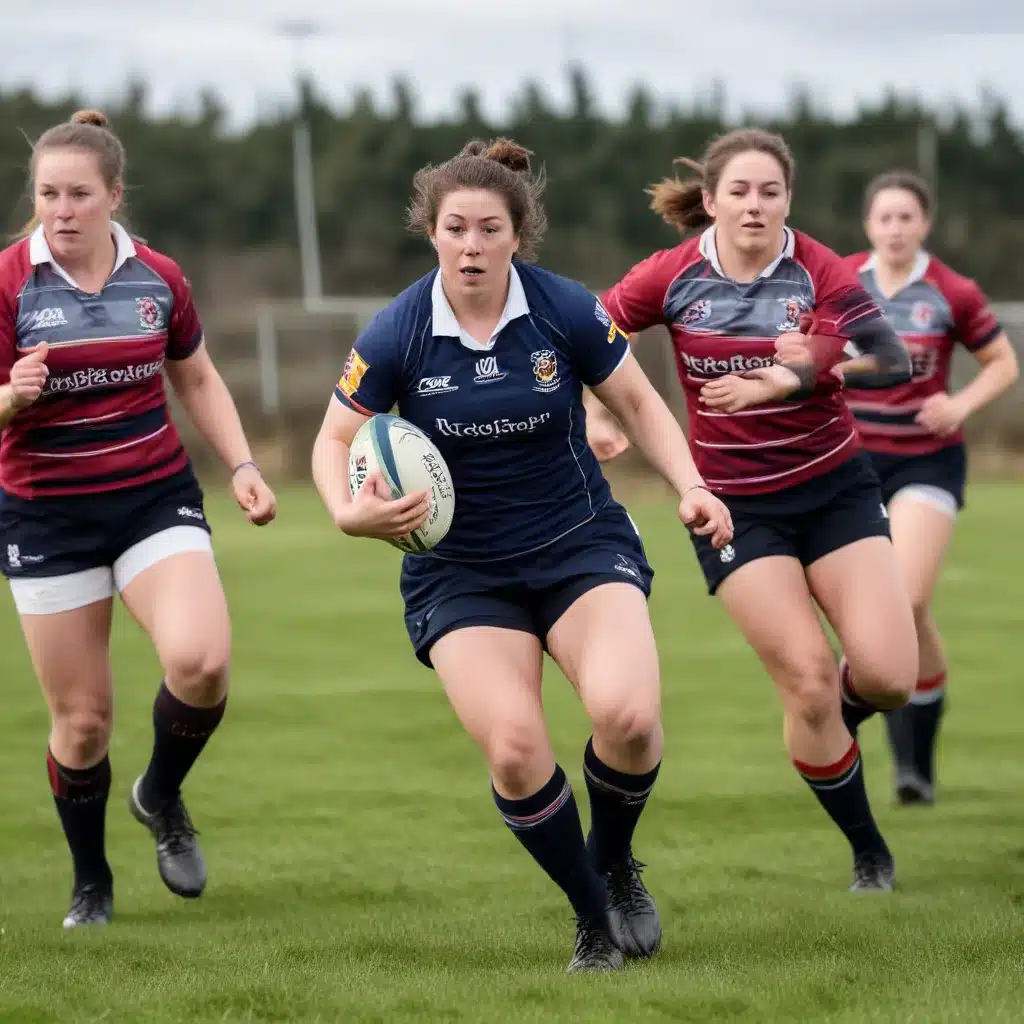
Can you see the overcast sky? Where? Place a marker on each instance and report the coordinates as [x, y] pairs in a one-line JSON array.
[[938, 49]]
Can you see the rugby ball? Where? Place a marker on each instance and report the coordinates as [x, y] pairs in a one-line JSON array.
[[408, 461]]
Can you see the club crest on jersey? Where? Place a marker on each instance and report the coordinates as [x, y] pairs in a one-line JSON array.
[[922, 314], [696, 313], [151, 317], [352, 374], [545, 370], [795, 308]]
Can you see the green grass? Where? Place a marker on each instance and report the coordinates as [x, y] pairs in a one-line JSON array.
[[359, 872]]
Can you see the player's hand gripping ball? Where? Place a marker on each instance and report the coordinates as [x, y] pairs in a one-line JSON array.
[[400, 484]]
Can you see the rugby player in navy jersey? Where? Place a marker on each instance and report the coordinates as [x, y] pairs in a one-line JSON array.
[[913, 432], [97, 494], [776, 440], [488, 355]]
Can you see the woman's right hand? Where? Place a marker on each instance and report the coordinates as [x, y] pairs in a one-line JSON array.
[[372, 512], [28, 377]]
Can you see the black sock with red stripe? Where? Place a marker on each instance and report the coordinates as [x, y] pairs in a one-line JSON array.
[[913, 729], [840, 789], [81, 798], [548, 825]]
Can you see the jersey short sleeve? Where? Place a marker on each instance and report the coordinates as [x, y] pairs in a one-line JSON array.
[[637, 302], [369, 382], [976, 325], [8, 337], [184, 332], [599, 345], [14, 269]]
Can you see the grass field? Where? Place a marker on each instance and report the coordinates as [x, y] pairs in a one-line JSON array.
[[359, 871]]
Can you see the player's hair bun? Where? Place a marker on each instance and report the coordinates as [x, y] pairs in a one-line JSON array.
[[510, 154], [502, 151], [94, 117]]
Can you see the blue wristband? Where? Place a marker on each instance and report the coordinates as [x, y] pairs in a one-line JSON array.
[[242, 465]]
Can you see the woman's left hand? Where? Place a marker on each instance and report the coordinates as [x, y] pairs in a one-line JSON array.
[[254, 496], [706, 515], [732, 393]]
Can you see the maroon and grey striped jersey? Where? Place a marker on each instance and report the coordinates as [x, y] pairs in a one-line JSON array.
[[721, 326], [933, 312], [102, 421]]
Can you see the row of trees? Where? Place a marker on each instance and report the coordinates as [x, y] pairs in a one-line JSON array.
[[195, 189]]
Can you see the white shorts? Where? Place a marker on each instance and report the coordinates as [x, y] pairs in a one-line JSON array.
[[48, 595]]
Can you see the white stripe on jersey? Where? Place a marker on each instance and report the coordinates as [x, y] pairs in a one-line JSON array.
[[100, 451], [788, 472]]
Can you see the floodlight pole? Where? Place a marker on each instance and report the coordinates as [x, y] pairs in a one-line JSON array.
[[302, 173]]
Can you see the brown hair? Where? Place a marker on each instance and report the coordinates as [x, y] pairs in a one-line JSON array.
[[908, 181], [89, 131], [500, 166], [681, 203]]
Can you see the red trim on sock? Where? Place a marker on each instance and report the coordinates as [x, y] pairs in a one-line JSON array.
[[823, 772], [928, 685], [58, 784]]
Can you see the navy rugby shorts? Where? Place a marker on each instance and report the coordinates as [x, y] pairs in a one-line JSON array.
[[806, 521], [527, 592], [938, 478], [61, 553]]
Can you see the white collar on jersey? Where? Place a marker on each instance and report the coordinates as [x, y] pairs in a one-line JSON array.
[[917, 272], [709, 251], [445, 324], [39, 250]]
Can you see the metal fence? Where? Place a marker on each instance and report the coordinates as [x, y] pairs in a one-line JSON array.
[[280, 360]]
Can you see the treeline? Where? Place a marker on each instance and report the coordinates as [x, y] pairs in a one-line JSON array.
[[195, 189]]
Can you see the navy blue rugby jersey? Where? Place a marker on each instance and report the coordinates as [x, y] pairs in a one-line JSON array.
[[507, 415]]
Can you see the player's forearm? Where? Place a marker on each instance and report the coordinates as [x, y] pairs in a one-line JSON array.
[[330, 475], [655, 431], [992, 381], [7, 409], [211, 408], [884, 360]]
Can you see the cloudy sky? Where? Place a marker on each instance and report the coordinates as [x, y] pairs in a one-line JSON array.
[[939, 49]]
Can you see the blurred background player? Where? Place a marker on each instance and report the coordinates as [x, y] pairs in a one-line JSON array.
[[488, 355], [777, 442], [913, 431], [98, 494]]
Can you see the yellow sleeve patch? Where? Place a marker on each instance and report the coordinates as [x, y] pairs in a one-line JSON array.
[[353, 373]]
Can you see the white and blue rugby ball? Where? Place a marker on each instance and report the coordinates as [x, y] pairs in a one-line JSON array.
[[408, 461]]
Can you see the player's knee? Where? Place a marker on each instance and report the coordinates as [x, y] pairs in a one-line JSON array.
[[626, 720], [198, 676], [513, 750], [810, 688], [887, 683], [84, 730]]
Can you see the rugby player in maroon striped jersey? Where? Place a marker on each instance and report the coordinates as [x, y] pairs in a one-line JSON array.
[[775, 439], [914, 432], [97, 495]]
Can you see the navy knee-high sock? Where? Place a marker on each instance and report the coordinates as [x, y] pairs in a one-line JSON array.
[[548, 825]]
